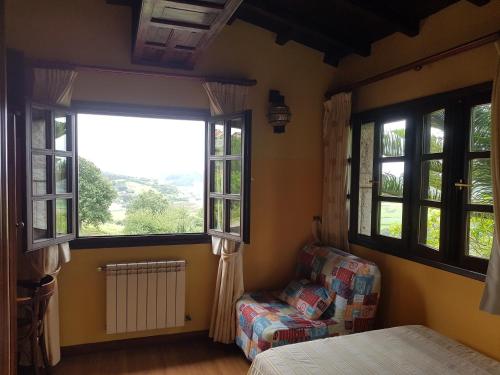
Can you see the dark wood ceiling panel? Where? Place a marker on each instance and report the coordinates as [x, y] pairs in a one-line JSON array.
[[174, 33]]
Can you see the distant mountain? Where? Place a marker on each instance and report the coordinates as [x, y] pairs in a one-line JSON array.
[[188, 179], [178, 189]]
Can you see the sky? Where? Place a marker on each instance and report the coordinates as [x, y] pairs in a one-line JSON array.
[[142, 147]]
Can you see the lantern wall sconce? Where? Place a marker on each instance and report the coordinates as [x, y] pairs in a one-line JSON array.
[[279, 114]]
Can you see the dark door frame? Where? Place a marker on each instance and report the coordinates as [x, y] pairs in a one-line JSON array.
[[8, 244]]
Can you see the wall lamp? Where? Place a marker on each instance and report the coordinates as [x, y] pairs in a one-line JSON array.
[[279, 114]]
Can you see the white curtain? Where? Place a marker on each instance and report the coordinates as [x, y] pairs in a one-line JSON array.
[[33, 266], [491, 296], [335, 215], [53, 86], [226, 99]]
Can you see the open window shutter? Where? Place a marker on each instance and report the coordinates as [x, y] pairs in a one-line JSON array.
[[50, 173], [228, 176]]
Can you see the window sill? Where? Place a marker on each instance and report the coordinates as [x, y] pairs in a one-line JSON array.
[[415, 258], [138, 241]]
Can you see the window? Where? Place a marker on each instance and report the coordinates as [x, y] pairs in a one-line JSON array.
[[139, 175], [50, 184], [417, 194], [228, 184], [151, 176]]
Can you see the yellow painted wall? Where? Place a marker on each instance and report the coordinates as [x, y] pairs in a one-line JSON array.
[[286, 169], [413, 293]]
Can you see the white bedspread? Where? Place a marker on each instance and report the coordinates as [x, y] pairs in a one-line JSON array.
[[400, 350]]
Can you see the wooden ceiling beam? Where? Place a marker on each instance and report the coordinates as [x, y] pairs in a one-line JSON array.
[[284, 36], [406, 25], [332, 58], [300, 32]]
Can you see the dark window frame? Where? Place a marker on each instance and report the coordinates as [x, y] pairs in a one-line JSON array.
[[52, 195], [457, 104], [96, 242], [226, 158]]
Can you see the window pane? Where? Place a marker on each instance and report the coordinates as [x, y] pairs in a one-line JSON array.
[[432, 176], [156, 189], [480, 226], [39, 164], [234, 217], [218, 139], [392, 179], [61, 132], [481, 191], [39, 128], [390, 219], [393, 138], [234, 176], [433, 137], [217, 171], [62, 174], [41, 211], [480, 138], [236, 137], [63, 209], [217, 219], [365, 176], [430, 227]]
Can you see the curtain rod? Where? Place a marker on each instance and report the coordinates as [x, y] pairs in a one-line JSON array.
[[418, 64], [148, 73]]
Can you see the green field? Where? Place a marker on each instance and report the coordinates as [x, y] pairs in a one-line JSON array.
[[181, 208]]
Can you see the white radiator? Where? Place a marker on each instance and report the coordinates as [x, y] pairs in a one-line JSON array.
[[146, 295]]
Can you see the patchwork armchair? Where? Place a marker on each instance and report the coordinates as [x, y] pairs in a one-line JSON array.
[[264, 320]]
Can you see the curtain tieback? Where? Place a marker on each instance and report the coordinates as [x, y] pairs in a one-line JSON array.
[[228, 257], [55, 272]]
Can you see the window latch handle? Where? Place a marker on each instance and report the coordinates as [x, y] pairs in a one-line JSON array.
[[460, 185], [373, 182]]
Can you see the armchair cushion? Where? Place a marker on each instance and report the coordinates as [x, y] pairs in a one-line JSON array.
[[355, 283], [310, 299]]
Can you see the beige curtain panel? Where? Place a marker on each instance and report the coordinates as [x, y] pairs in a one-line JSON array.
[[335, 216], [33, 266], [228, 289], [226, 99], [53, 86], [491, 296]]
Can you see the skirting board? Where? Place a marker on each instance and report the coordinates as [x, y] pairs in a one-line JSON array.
[[131, 343]]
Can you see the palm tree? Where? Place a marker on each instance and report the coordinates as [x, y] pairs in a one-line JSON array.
[[481, 225]]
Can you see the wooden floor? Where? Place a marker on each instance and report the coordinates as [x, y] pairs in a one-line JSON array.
[[197, 357]]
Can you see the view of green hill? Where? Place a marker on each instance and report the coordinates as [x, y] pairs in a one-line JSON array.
[[137, 205]]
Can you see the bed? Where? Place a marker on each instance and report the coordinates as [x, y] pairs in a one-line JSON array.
[[400, 350]]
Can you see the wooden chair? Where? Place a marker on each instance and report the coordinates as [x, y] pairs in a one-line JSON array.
[[31, 314]]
